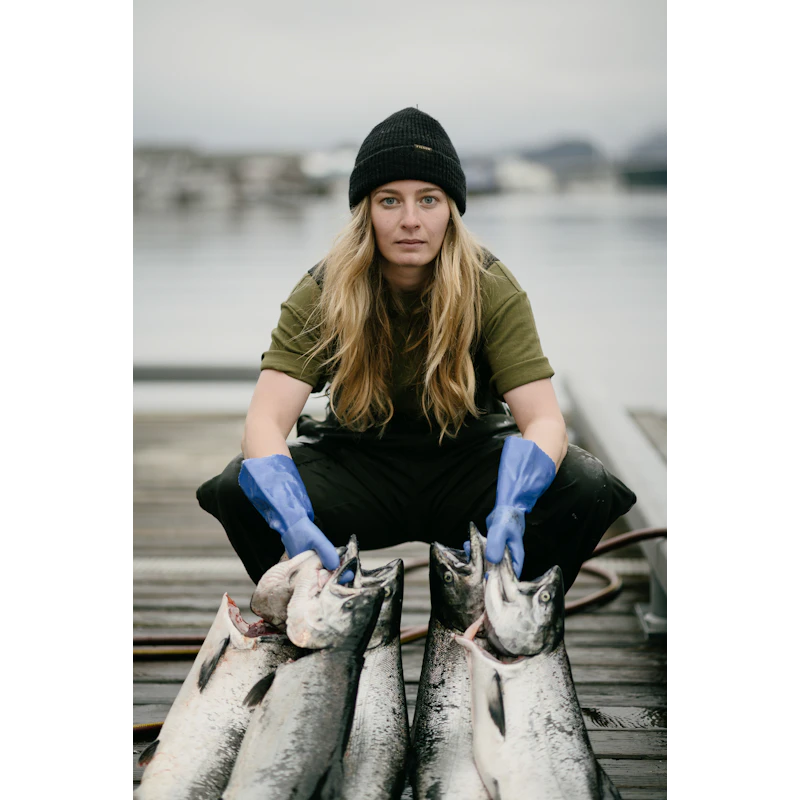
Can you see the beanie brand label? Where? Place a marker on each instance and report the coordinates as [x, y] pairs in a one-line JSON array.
[[423, 147]]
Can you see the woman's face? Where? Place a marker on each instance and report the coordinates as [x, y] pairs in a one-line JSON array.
[[410, 219]]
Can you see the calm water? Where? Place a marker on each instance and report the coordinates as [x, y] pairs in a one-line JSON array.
[[208, 285]]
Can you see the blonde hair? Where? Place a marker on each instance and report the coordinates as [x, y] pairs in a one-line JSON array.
[[356, 335]]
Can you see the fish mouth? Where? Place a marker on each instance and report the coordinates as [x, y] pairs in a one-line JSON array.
[[458, 559], [502, 579], [384, 576], [350, 550], [353, 565], [262, 628], [467, 641], [384, 581], [390, 568], [451, 557], [346, 590], [477, 547], [235, 616], [243, 633], [502, 597]]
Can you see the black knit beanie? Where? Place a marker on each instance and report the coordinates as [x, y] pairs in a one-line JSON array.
[[409, 145]]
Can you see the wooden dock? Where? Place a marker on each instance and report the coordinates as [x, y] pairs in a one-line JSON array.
[[183, 563]]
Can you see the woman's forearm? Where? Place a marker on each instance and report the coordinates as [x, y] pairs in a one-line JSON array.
[[262, 437], [550, 435], [536, 412], [276, 405]]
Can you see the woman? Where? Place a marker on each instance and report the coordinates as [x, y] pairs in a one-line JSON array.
[[420, 334]]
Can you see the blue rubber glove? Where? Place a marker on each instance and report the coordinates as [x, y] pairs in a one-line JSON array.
[[274, 486], [525, 473]]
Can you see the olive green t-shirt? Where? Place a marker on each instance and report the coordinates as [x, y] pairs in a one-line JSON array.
[[509, 354]]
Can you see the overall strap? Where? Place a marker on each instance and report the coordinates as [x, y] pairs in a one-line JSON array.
[[317, 272]]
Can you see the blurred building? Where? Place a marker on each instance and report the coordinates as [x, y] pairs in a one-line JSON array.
[[328, 169], [516, 174], [481, 174], [646, 162], [183, 177], [170, 177], [573, 163]]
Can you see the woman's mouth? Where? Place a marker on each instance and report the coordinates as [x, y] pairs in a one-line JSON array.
[[410, 242]]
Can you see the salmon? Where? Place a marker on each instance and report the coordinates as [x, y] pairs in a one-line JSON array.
[[195, 751], [442, 763], [529, 737], [294, 745], [375, 757]]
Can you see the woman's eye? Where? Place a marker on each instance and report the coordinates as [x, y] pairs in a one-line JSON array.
[[389, 201], [425, 201]]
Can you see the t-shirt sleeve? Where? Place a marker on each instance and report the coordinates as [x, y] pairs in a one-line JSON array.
[[511, 341], [295, 337]]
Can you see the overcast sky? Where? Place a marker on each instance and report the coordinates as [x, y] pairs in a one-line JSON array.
[[247, 74]]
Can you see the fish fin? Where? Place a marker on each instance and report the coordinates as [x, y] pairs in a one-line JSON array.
[[330, 784], [207, 670], [496, 711], [607, 789], [256, 694], [147, 754]]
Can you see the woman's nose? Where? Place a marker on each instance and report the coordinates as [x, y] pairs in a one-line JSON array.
[[410, 217]]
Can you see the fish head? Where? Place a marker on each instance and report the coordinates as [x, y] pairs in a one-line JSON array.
[[338, 616], [271, 597], [524, 618], [389, 579], [457, 582]]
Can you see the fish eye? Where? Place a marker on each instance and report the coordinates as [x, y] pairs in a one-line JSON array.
[[348, 604], [544, 596], [448, 577]]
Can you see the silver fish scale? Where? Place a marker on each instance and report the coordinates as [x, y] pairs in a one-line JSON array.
[[213, 720], [444, 767], [544, 752], [297, 735], [376, 752]]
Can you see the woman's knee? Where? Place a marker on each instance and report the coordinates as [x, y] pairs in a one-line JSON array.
[[584, 483], [583, 474], [223, 490], [228, 487]]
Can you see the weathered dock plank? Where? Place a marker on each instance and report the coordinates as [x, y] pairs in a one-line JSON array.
[[183, 564]]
